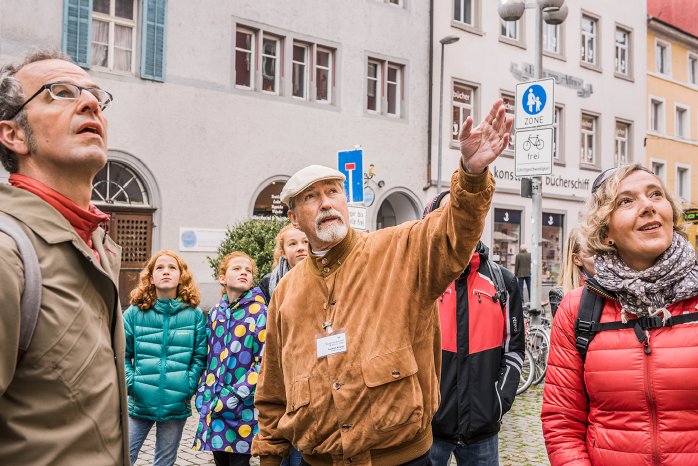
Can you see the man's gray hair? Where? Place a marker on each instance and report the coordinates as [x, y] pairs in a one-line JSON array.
[[12, 97]]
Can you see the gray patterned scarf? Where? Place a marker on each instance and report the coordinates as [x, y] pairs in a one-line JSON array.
[[672, 278], [278, 273]]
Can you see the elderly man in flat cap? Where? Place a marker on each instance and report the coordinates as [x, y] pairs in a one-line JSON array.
[[353, 349]]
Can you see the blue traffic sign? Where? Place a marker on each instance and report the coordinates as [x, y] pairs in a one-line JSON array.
[[534, 99], [350, 163]]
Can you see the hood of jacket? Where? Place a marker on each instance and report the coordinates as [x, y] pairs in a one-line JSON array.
[[170, 307]]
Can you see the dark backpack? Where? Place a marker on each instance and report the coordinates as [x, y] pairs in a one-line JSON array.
[[501, 293], [31, 296], [590, 308]]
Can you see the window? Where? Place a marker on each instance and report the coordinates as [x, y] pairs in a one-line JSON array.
[[373, 98], [588, 139], [509, 29], [395, 2], [114, 34], [551, 38], [659, 169], [558, 131], [384, 83], [622, 152], [656, 115], [622, 64], [589, 40], [681, 123], [462, 103], [244, 58], [464, 11], [300, 71], [661, 52], [271, 48], [683, 186], [510, 108], [323, 74], [693, 69]]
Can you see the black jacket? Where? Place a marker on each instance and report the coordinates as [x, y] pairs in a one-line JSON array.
[[482, 353]]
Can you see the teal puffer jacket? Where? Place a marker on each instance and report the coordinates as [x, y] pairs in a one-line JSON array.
[[165, 354]]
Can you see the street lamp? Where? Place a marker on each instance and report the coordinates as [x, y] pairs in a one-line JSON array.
[[552, 12], [444, 42]]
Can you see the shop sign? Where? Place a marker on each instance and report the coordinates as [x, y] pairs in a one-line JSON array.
[[552, 220], [691, 215], [507, 216]]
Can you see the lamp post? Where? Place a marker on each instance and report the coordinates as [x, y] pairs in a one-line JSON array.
[[552, 12], [444, 42]]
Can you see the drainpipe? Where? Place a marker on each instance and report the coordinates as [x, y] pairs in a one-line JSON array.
[[430, 115]]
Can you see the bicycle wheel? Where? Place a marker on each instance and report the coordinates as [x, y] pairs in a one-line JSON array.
[[539, 344], [527, 373], [526, 145]]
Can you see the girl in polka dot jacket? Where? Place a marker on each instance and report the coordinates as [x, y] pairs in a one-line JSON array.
[[236, 333]]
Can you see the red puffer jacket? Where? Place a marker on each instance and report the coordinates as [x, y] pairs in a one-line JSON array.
[[622, 406]]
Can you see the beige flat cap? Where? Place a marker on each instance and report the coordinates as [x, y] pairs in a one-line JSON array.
[[307, 176]]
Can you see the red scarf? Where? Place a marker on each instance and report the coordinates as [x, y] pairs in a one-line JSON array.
[[84, 221]]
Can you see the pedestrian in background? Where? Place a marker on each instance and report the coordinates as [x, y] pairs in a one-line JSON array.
[[634, 398], [522, 270], [63, 397], [576, 268], [165, 354], [482, 350], [291, 247], [236, 333]]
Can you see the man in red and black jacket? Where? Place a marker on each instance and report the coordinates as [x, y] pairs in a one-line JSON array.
[[482, 344]]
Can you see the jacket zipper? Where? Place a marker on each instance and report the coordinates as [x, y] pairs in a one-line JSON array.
[[650, 400], [480, 292], [499, 400], [163, 357]]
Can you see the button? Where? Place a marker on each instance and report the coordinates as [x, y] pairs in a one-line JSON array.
[[324, 261], [395, 374], [326, 270], [345, 428], [337, 385]]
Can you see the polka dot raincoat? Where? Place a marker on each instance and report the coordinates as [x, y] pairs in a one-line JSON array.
[[225, 396]]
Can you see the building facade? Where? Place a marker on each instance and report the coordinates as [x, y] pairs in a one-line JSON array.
[[597, 58], [672, 104], [216, 104]]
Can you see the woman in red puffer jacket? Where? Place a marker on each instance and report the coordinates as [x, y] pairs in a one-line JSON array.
[[634, 399]]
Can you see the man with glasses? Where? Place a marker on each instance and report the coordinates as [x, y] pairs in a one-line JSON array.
[[63, 400]]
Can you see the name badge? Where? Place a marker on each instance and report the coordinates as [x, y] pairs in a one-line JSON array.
[[331, 344]]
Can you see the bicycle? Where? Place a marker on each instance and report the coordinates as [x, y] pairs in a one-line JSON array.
[[528, 371], [537, 342], [533, 141]]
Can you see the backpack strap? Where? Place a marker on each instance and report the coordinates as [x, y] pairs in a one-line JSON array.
[[501, 294], [31, 296], [586, 326]]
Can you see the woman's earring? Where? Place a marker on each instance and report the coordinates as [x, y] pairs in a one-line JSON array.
[[610, 242]]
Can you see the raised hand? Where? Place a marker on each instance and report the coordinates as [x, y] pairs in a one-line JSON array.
[[482, 145]]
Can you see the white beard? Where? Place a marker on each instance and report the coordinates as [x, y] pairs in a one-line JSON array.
[[331, 233]]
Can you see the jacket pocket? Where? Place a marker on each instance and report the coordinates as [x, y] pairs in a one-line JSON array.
[[298, 423], [393, 389], [300, 395], [498, 395]]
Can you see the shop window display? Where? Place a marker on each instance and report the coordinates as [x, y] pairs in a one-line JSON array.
[[506, 237], [552, 247]]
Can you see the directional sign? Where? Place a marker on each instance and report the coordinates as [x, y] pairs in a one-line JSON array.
[[535, 104], [533, 154], [350, 162]]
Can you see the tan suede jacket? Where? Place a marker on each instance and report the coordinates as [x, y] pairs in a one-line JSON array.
[[65, 404], [372, 404]]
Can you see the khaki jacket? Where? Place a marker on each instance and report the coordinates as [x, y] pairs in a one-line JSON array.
[[372, 404], [65, 404]]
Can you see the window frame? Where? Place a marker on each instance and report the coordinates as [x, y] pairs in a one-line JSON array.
[[504, 95], [595, 132], [559, 134], [684, 197], [661, 120], [331, 53], [596, 37], [278, 61], [683, 130], [398, 89], [378, 79], [628, 53], [383, 65], [306, 69], [473, 106], [667, 47], [560, 53], [628, 142], [112, 20], [692, 74], [252, 53], [662, 165], [520, 27]]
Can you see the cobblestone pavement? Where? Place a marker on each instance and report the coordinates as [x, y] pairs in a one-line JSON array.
[[520, 441]]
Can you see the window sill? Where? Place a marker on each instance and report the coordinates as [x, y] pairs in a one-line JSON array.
[[559, 163], [556, 56], [590, 167], [467, 27], [514, 42], [625, 77], [590, 66]]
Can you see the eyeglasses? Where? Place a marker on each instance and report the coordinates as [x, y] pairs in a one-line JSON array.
[[601, 179], [67, 91]]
